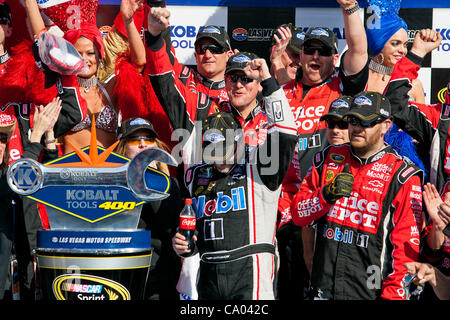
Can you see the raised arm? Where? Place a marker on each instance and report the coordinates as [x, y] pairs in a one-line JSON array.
[[277, 67], [128, 8], [356, 56], [36, 22], [275, 154]]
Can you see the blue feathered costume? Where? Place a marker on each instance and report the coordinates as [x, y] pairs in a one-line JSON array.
[[385, 25]]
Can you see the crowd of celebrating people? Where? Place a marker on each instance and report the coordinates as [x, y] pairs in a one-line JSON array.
[[313, 175]]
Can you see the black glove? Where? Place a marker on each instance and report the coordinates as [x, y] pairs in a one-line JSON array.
[[341, 186]]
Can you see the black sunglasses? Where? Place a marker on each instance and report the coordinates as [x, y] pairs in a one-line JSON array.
[[323, 51], [3, 138], [341, 124], [244, 79], [214, 49], [365, 124]]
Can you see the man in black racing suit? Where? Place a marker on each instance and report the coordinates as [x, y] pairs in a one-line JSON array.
[[236, 202]]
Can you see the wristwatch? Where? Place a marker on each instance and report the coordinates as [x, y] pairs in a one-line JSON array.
[[355, 8]]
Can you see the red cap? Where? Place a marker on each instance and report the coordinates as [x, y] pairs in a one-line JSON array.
[[188, 201]]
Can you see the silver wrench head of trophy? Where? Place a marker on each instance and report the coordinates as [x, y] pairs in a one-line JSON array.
[[136, 173]]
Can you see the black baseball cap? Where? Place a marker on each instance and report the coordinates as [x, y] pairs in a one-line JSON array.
[[369, 105], [296, 42], [338, 108], [324, 35], [218, 34], [217, 145], [238, 61], [133, 124], [298, 36], [5, 14]]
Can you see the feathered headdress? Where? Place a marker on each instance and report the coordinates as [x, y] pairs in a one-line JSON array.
[[403, 143], [386, 23]]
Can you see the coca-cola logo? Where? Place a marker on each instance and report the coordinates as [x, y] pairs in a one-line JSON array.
[[187, 223]]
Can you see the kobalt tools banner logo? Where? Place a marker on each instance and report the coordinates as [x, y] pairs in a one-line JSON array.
[[184, 28]]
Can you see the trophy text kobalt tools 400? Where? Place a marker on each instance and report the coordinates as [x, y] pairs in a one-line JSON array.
[[27, 176]]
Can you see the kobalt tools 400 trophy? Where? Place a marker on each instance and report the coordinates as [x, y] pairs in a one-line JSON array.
[[93, 249]]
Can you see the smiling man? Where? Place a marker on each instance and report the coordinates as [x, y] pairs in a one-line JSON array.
[[337, 127], [236, 201], [359, 196], [319, 82]]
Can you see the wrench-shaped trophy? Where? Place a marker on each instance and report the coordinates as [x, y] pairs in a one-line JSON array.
[[93, 250]]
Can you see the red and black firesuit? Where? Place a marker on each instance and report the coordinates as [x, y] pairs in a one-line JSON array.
[[308, 104], [430, 126], [185, 105], [364, 240]]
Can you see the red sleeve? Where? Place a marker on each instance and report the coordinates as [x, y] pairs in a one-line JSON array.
[[289, 188], [405, 236], [180, 104], [405, 69], [418, 120], [309, 204]]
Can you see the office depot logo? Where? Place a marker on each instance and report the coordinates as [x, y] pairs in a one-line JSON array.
[[356, 212]]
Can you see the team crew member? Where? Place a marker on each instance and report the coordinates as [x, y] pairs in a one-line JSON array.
[[237, 242], [5, 32], [359, 195], [337, 127], [337, 133], [184, 107], [319, 83], [212, 50], [285, 52], [316, 85], [19, 219]]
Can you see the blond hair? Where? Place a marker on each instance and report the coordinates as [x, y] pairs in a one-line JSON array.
[[160, 166]]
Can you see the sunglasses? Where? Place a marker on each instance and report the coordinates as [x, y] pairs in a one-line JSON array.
[[323, 51], [341, 124], [135, 141], [244, 79], [214, 49], [365, 124]]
